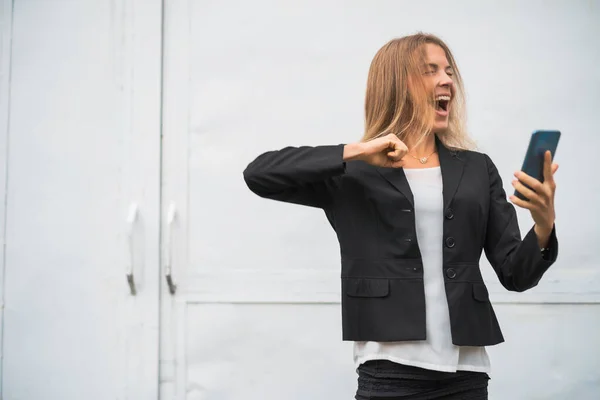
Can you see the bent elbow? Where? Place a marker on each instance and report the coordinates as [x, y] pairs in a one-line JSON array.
[[252, 179], [514, 285]]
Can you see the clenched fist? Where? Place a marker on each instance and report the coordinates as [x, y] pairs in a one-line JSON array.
[[386, 151]]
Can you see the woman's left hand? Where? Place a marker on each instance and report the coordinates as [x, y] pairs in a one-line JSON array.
[[541, 198]]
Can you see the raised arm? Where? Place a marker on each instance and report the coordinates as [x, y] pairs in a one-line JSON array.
[[518, 263], [310, 175], [301, 175]]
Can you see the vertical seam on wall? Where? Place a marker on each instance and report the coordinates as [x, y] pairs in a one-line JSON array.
[[161, 97], [6, 60]]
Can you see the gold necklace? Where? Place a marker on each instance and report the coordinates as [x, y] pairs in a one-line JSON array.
[[423, 160]]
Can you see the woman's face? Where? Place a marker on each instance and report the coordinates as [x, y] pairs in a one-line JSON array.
[[437, 76]]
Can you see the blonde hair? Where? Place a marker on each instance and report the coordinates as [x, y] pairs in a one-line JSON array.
[[390, 107]]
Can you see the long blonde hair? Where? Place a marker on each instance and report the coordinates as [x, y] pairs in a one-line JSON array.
[[390, 107]]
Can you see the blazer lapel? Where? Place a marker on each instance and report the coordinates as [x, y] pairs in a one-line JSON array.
[[397, 178], [452, 170]]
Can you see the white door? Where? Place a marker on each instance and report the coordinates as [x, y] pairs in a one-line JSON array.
[[255, 314], [80, 114]]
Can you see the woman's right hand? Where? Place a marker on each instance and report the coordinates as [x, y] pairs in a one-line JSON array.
[[386, 151]]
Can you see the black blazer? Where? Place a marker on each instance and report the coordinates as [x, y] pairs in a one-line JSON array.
[[372, 212]]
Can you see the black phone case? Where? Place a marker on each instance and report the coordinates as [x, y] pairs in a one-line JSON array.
[[533, 165]]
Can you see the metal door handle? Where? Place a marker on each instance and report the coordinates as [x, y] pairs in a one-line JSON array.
[[131, 218], [169, 256]]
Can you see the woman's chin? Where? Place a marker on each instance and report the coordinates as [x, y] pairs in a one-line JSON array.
[[440, 127]]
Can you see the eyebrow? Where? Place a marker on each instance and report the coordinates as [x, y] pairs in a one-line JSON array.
[[435, 66]]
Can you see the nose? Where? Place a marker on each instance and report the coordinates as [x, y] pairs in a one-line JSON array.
[[445, 80]]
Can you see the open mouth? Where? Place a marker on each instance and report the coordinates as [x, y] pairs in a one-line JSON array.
[[442, 103]]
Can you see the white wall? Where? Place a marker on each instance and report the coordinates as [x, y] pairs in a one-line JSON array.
[[550, 353], [79, 141], [244, 77]]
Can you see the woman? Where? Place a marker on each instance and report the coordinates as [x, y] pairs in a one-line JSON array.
[[413, 208]]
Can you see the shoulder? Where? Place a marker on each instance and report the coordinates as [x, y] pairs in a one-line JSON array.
[[480, 164], [470, 155], [476, 159]]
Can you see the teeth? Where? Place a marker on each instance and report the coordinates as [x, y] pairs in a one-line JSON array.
[[438, 98]]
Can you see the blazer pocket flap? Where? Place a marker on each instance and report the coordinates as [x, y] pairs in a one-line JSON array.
[[362, 287], [480, 292]]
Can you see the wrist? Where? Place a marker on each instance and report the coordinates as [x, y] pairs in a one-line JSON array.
[[543, 235], [353, 151]]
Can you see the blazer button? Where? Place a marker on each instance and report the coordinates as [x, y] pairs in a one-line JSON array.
[[451, 273], [449, 213], [450, 242]]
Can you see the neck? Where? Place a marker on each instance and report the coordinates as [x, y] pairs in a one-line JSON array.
[[422, 149]]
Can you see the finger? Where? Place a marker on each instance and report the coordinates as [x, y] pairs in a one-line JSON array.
[[533, 183], [526, 192], [383, 144], [389, 140], [548, 166], [551, 183], [521, 203], [392, 139], [394, 145], [403, 148], [395, 155]]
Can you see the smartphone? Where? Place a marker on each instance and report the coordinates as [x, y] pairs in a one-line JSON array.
[[533, 165]]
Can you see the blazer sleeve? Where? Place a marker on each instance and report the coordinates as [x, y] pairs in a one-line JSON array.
[[518, 263], [301, 175]]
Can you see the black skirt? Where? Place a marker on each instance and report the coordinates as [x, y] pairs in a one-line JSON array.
[[381, 379]]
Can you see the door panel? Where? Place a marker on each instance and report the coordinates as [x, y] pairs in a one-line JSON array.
[[246, 355], [257, 281], [83, 146]]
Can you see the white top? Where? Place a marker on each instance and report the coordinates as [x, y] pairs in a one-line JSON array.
[[436, 352]]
